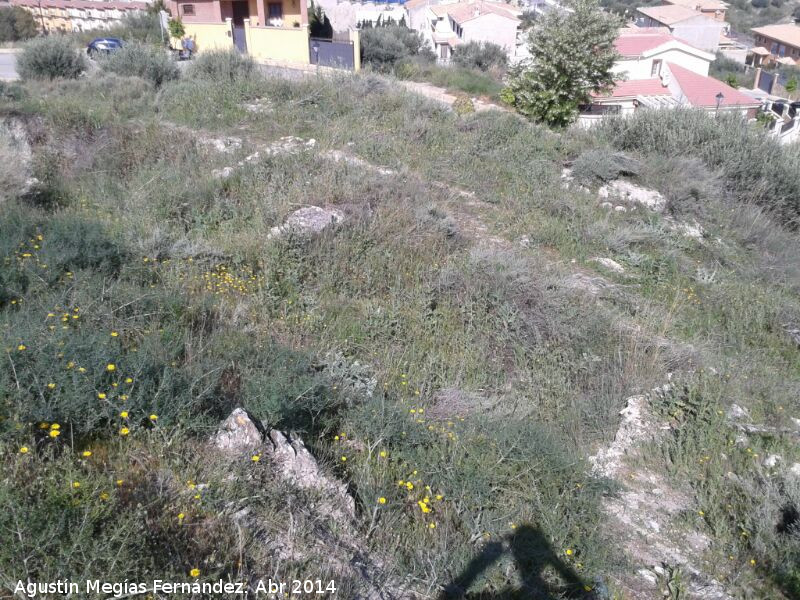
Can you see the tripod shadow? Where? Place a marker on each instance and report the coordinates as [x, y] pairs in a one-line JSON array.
[[532, 555]]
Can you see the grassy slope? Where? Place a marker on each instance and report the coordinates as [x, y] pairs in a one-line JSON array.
[[139, 239]]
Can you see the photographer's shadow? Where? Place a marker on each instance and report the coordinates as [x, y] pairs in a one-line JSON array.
[[532, 555]]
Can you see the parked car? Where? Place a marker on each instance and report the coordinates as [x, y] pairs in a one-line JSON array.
[[103, 45]]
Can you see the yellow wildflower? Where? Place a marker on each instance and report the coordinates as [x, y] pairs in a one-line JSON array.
[[104, 496], [124, 431], [568, 552], [22, 347], [23, 450], [124, 414], [111, 367], [383, 454], [55, 426], [119, 482], [128, 380], [255, 457], [86, 453], [153, 418], [114, 334], [51, 386], [101, 395], [381, 500], [76, 484], [54, 433], [195, 572]]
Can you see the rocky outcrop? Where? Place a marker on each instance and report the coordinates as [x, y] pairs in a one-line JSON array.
[[309, 220], [633, 193], [238, 434], [241, 434]]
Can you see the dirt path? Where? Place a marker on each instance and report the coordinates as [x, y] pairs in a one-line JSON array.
[[441, 95]]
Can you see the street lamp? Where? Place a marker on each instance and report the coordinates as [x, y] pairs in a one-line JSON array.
[[720, 97]]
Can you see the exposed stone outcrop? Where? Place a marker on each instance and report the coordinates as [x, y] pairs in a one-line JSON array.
[[633, 193], [238, 434], [308, 221], [608, 263], [645, 513]]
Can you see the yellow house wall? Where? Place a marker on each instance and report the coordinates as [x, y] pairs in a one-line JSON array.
[[277, 43], [208, 36], [355, 37], [291, 12]]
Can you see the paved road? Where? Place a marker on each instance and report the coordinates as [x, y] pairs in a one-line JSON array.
[[8, 69]]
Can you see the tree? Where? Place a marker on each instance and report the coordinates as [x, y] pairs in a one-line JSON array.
[[319, 24], [382, 47], [16, 24], [571, 56]]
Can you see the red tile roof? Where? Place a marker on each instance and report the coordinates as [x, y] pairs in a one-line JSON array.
[[638, 87], [702, 91], [636, 44], [669, 14], [86, 4], [461, 12], [786, 33]]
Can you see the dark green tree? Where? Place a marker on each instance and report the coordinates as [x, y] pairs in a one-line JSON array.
[[318, 23], [16, 24], [571, 56]]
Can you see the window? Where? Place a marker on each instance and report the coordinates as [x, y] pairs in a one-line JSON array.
[[274, 11], [655, 70], [188, 9]]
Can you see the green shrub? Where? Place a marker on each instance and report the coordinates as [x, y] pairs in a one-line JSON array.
[[726, 143], [16, 24], [382, 47], [140, 60], [463, 105], [176, 28], [222, 65], [480, 55], [593, 166], [50, 58]]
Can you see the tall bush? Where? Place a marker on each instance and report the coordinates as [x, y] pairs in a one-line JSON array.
[[480, 55], [50, 58], [222, 65], [139, 60]]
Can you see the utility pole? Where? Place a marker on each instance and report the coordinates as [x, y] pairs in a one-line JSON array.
[[41, 17]]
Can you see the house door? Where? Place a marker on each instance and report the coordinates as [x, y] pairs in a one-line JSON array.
[[241, 11]]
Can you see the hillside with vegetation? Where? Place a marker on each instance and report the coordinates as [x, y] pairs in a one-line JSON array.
[[478, 357]]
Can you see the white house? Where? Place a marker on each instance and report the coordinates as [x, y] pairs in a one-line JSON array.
[[446, 25], [643, 51], [684, 23], [658, 71]]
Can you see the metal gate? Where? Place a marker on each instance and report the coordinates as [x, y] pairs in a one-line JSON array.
[[327, 53]]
